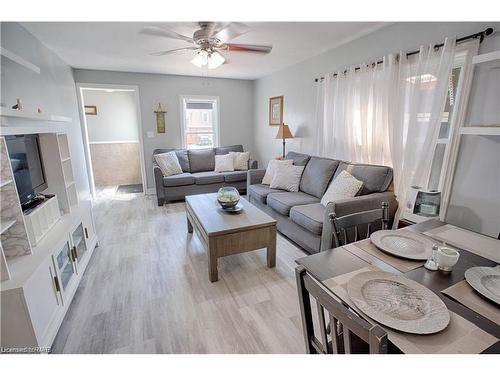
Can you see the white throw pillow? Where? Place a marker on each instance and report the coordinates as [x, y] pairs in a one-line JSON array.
[[287, 177], [271, 167], [344, 186], [240, 160], [224, 163], [168, 163]]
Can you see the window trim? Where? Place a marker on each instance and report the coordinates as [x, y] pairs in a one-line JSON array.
[[216, 131]]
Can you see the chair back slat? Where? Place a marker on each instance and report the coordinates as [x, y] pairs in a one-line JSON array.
[[322, 327], [343, 322], [349, 228]]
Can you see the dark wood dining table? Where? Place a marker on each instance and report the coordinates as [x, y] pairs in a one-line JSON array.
[[338, 261]]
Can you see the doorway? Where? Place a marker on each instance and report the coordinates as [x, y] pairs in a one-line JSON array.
[[112, 136]]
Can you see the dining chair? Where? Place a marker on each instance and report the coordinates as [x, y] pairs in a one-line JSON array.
[[345, 330], [350, 228]]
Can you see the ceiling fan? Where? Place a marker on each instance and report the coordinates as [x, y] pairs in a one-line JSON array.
[[208, 42]]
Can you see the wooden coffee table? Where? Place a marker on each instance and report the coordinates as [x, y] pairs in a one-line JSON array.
[[230, 233]]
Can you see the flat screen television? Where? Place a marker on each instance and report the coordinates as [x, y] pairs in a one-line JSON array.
[[27, 165]]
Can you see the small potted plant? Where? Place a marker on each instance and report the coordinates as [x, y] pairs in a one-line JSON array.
[[228, 197]]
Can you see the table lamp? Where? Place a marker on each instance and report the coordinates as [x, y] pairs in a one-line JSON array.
[[284, 133]]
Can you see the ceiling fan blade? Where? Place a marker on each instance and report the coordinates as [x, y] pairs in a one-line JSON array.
[[163, 53], [231, 31], [158, 31], [248, 48]]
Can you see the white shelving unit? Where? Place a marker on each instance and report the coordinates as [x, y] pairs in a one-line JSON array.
[[61, 171], [19, 60], [480, 130], [13, 235], [42, 219], [472, 129], [34, 116], [44, 253]]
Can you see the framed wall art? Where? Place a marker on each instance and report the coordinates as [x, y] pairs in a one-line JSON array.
[[276, 110]]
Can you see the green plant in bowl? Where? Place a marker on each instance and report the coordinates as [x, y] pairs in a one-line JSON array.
[[228, 197]]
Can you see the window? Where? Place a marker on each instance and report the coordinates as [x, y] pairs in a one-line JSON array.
[[200, 122]]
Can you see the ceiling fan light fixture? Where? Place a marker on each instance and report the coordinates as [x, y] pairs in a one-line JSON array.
[[215, 60], [200, 59]]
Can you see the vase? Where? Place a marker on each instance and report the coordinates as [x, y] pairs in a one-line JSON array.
[[228, 197]]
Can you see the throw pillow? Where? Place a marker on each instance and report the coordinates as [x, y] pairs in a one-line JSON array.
[[271, 167], [240, 160], [342, 187], [224, 163], [287, 177], [168, 163]]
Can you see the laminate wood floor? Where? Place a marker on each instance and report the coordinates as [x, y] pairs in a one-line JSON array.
[[146, 290]]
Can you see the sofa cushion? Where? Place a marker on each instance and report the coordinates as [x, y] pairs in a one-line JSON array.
[[205, 178], [227, 149], [182, 156], [317, 175], [168, 163], [284, 201], [287, 177], [344, 186], [376, 178], [298, 159], [178, 180], [235, 176], [309, 216], [261, 191], [224, 163], [201, 160], [271, 168]]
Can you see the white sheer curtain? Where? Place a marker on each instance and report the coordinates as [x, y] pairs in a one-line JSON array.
[[387, 113], [418, 97], [352, 115]]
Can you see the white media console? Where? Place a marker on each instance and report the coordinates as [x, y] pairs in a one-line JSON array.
[[44, 254]]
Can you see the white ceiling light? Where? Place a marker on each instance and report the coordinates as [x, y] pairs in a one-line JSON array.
[[203, 58], [200, 59]]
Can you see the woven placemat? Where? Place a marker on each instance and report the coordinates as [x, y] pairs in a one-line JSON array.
[[463, 293], [460, 337]]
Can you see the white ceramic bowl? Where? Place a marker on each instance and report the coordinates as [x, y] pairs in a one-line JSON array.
[[446, 258]]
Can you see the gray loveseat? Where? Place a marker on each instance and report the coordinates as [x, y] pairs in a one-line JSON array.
[[300, 215], [198, 175]]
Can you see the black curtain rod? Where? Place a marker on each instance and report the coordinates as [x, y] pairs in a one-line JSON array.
[[481, 35]]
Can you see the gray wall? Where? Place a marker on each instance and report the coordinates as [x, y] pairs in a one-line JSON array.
[[296, 83], [116, 118], [235, 101], [53, 89]]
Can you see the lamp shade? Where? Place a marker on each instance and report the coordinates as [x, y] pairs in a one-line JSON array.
[[284, 132]]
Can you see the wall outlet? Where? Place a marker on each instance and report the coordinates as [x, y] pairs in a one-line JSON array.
[[150, 134]]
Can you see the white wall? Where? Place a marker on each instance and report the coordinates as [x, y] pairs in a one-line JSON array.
[[235, 102], [53, 89], [116, 118]]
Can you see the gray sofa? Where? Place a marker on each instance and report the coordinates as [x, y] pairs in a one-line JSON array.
[[300, 215], [198, 175]]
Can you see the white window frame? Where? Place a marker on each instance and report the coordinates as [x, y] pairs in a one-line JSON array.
[[216, 131]]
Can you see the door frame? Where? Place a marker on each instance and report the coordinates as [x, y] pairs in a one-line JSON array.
[[80, 86]]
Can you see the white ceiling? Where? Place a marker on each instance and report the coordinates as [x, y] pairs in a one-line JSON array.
[[119, 46]]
